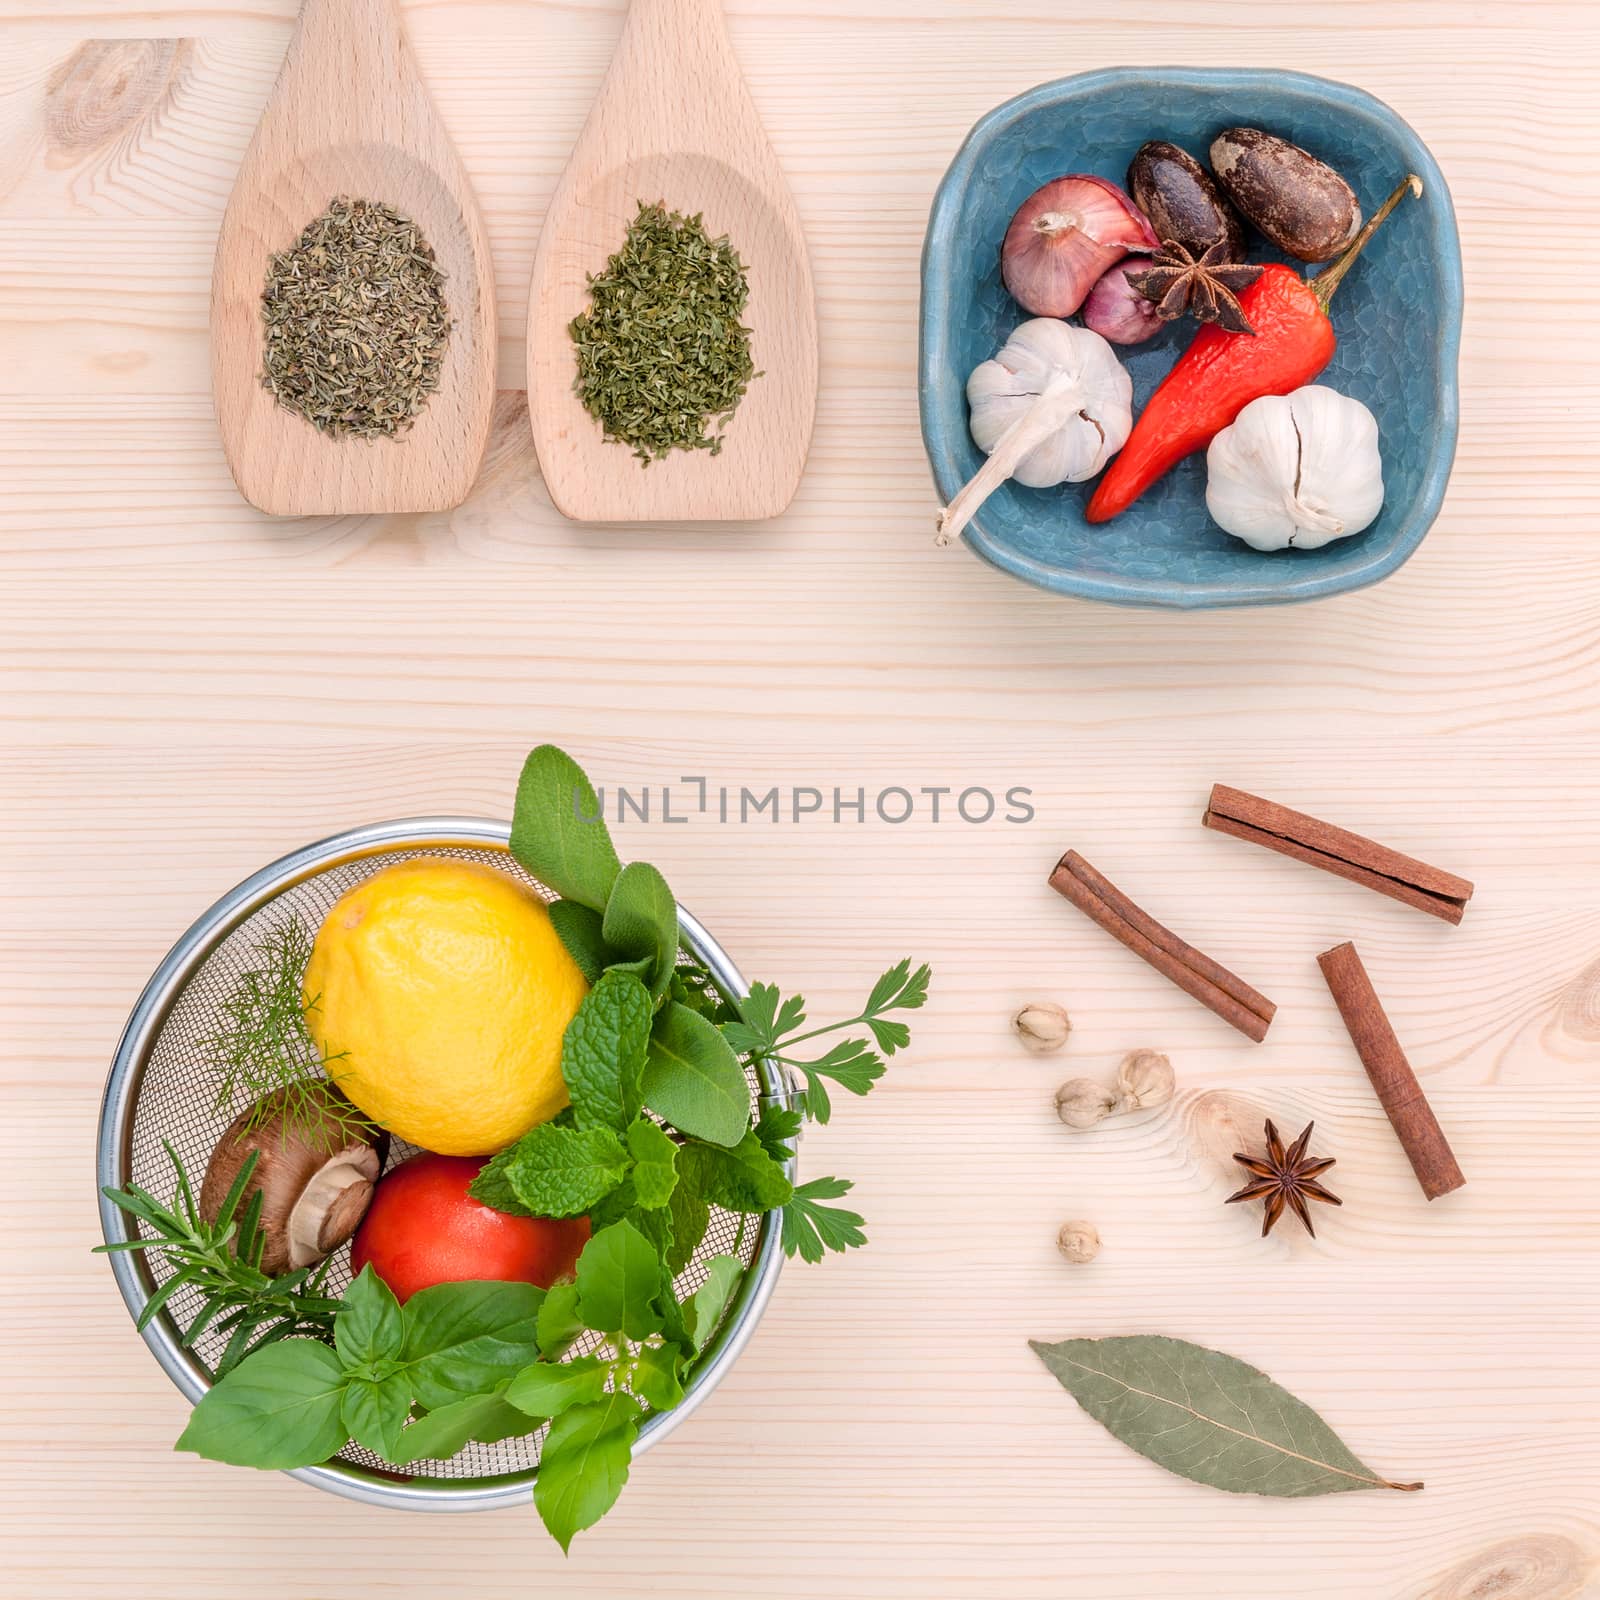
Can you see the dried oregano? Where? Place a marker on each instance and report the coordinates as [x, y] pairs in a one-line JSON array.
[[663, 358], [355, 321]]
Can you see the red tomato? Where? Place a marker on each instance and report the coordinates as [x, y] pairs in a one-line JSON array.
[[424, 1228]]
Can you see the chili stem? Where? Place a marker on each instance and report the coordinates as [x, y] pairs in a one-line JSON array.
[[1323, 285]]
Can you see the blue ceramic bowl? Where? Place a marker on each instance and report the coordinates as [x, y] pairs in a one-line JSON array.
[[1398, 318]]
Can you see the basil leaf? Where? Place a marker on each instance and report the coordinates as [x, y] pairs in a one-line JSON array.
[[579, 929], [1207, 1416], [466, 1338], [559, 1321], [710, 1300], [603, 1052], [641, 922], [655, 1156], [563, 1172], [375, 1412], [369, 1326], [488, 1418], [549, 836], [619, 1277], [584, 1464], [657, 1376], [546, 1390], [745, 1178], [279, 1408], [693, 1078]]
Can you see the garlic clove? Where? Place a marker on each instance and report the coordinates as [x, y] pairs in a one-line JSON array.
[[1062, 239]]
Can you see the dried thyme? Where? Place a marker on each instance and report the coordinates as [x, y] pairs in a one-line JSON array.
[[355, 322], [663, 357]]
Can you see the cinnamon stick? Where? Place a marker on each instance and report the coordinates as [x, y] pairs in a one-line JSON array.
[[1336, 850], [1209, 982], [1403, 1101]]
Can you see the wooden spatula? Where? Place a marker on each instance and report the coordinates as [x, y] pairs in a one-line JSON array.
[[674, 123], [350, 115]]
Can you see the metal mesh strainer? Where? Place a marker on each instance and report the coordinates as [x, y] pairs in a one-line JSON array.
[[162, 1088]]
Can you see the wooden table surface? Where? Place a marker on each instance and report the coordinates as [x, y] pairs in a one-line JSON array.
[[192, 689]]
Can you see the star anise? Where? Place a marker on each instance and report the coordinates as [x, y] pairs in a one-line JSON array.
[[1286, 1178], [1207, 289]]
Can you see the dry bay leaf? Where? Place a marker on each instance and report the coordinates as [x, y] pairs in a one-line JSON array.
[[1207, 1416]]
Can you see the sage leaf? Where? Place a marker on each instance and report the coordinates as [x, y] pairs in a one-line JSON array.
[[603, 1052], [558, 832], [619, 1278], [564, 1172], [279, 1408], [710, 1300], [546, 1389], [375, 1412], [584, 1464], [488, 1418], [655, 1172], [693, 1078], [369, 1326], [641, 922], [467, 1338], [1207, 1416], [560, 1321], [579, 929]]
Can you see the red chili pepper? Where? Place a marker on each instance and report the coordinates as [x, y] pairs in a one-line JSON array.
[[1221, 373]]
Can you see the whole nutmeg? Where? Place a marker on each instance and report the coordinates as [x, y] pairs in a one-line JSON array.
[[1144, 1079], [1042, 1026], [1078, 1241], [1081, 1102]]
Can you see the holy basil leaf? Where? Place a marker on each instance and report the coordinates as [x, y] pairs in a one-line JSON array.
[[375, 1412], [1207, 1416], [558, 832], [468, 1338], [693, 1078], [369, 1325], [584, 1464], [810, 1229], [546, 1389], [710, 1300], [279, 1408], [563, 1172], [579, 929], [655, 1158], [560, 1321], [641, 922], [603, 1052], [745, 1178], [658, 1376], [487, 1418], [619, 1279]]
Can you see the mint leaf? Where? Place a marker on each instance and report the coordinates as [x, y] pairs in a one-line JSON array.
[[562, 1172], [545, 1390], [492, 1187], [279, 1408], [658, 1376], [690, 1216], [571, 856], [559, 1321], [811, 1229], [641, 922], [745, 1178], [655, 1172], [603, 1052], [488, 1418], [584, 1464], [578, 928], [369, 1325], [375, 1412], [693, 1078], [710, 1300], [619, 1277], [464, 1339]]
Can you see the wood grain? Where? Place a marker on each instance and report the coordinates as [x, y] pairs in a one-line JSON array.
[[191, 689]]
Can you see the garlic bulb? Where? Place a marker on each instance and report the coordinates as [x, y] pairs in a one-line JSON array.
[[1296, 470], [1052, 407]]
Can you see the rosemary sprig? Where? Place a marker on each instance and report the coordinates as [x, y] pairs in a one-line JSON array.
[[222, 1260]]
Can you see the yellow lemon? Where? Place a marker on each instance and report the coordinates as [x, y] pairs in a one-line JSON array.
[[444, 989]]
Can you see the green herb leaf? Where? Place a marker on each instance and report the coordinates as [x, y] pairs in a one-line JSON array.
[[658, 1376], [579, 929], [560, 1321], [811, 1229], [655, 1172], [468, 1338], [375, 1412], [584, 1464], [710, 1300], [641, 922], [745, 1178], [369, 1325], [492, 1186], [603, 1052], [563, 1172], [545, 1389], [1207, 1416], [281, 1408], [549, 836], [619, 1278], [693, 1078], [777, 1128], [690, 1216], [487, 1418], [762, 1022]]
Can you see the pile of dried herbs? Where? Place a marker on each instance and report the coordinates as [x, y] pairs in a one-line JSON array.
[[663, 357], [355, 322]]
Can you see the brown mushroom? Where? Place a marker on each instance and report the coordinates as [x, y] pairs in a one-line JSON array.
[[316, 1166]]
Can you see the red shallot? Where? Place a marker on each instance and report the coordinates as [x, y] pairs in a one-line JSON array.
[[1063, 238]]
